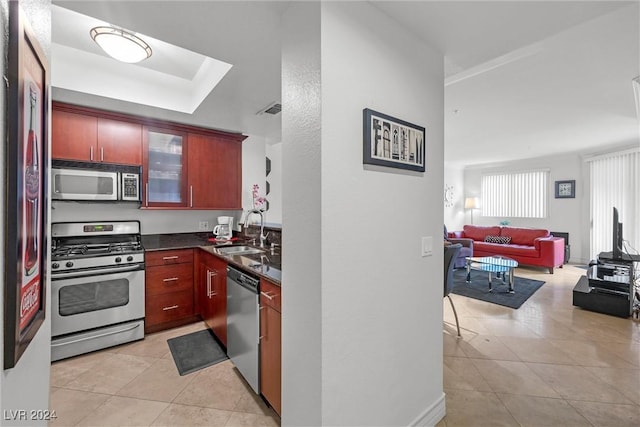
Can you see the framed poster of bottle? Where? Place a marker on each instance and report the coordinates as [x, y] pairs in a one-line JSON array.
[[26, 166]]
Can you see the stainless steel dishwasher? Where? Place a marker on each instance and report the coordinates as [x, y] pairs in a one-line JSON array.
[[243, 325]]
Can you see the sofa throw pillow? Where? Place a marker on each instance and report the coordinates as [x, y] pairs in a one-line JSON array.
[[503, 240]]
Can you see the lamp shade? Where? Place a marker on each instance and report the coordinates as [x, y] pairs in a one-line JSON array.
[[120, 44], [472, 203]]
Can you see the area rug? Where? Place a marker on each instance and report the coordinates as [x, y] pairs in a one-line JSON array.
[[479, 288], [195, 351]]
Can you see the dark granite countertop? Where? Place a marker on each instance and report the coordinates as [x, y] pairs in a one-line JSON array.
[[161, 242], [266, 265]]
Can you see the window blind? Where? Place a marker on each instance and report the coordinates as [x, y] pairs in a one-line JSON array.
[[614, 182], [515, 195]]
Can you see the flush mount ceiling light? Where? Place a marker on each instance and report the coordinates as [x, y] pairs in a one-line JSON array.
[[120, 44]]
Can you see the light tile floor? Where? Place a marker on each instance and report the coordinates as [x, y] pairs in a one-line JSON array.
[[137, 384], [545, 364]]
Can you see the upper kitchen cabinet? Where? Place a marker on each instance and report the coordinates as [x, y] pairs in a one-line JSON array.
[[119, 142], [165, 168], [79, 133], [73, 136], [214, 172], [183, 166]]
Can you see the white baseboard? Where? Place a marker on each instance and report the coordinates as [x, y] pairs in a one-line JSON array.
[[431, 415]]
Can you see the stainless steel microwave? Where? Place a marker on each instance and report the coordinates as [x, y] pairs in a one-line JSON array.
[[84, 181]]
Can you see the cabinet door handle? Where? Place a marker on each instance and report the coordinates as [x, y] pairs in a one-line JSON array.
[[266, 295], [102, 154], [146, 195], [90, 153], [191, 196], [166, 258], [173, 307], [210, 275], [208, 283], [170, 279]]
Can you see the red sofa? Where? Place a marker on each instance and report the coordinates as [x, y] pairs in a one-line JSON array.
[[528, 246]]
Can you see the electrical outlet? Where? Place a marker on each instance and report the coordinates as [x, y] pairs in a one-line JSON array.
[[427, 246], [203, 226]]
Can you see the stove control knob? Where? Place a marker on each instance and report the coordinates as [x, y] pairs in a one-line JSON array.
[[55, 265], [118, 259], [69, 264], [129, 258]]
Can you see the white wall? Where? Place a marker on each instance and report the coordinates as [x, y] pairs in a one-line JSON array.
[[26, 386], [151, 221], [454, 216], [380, 308], [253, 169], [274, 214], [565, 215], [301, 212]]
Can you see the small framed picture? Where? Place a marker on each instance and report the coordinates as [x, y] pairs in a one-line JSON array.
[[566, 189], [393, 142]]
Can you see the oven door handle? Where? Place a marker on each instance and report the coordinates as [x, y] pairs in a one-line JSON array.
[[130, 328], [101, 271]]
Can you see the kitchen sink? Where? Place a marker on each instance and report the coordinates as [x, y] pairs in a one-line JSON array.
[[238, 250]]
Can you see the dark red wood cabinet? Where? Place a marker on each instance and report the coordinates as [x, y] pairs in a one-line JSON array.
[[183, 166], [81, 134], [169, 291], [212, 294], [271, 344], [214, 172], [73, 136]]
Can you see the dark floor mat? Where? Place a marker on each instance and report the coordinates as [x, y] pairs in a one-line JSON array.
[[195, 351], [479, 288]]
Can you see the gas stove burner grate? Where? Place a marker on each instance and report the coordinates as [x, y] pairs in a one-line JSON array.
[[76, 250]]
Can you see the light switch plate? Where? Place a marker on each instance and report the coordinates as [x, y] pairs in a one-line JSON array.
[[203, 226], [427, 246]]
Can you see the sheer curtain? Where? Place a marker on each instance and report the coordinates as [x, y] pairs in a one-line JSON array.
[[615, 182], [515, 194]]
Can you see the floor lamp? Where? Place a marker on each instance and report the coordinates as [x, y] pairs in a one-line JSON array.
[[472, 203]]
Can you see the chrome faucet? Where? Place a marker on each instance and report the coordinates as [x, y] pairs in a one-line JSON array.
[[263, 237]]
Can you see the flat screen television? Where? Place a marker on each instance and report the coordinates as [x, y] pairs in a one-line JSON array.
[[618, 254], [617, 236]]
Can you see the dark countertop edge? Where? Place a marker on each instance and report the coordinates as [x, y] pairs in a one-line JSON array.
[[233, 260], [181, 241], [200, 240]]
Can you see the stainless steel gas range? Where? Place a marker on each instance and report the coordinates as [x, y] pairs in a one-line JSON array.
[[97, 286]]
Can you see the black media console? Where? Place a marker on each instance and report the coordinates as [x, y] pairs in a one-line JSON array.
[[607, 287]]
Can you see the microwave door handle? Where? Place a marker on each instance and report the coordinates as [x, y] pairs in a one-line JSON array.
[[118, 185]]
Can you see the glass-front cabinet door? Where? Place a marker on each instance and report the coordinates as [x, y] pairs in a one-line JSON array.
[[164, 169]]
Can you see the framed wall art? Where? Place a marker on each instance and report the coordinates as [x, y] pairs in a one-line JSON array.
[[393, 142], [566, 189], [26, 166]]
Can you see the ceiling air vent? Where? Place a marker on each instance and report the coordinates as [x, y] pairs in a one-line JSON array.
[[273, 109]]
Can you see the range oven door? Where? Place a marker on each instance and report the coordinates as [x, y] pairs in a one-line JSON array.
[[82, 303], [80, 184]]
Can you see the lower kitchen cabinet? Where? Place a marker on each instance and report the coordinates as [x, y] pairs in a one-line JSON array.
[[270, 344], [168, 289], [212, 294]]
